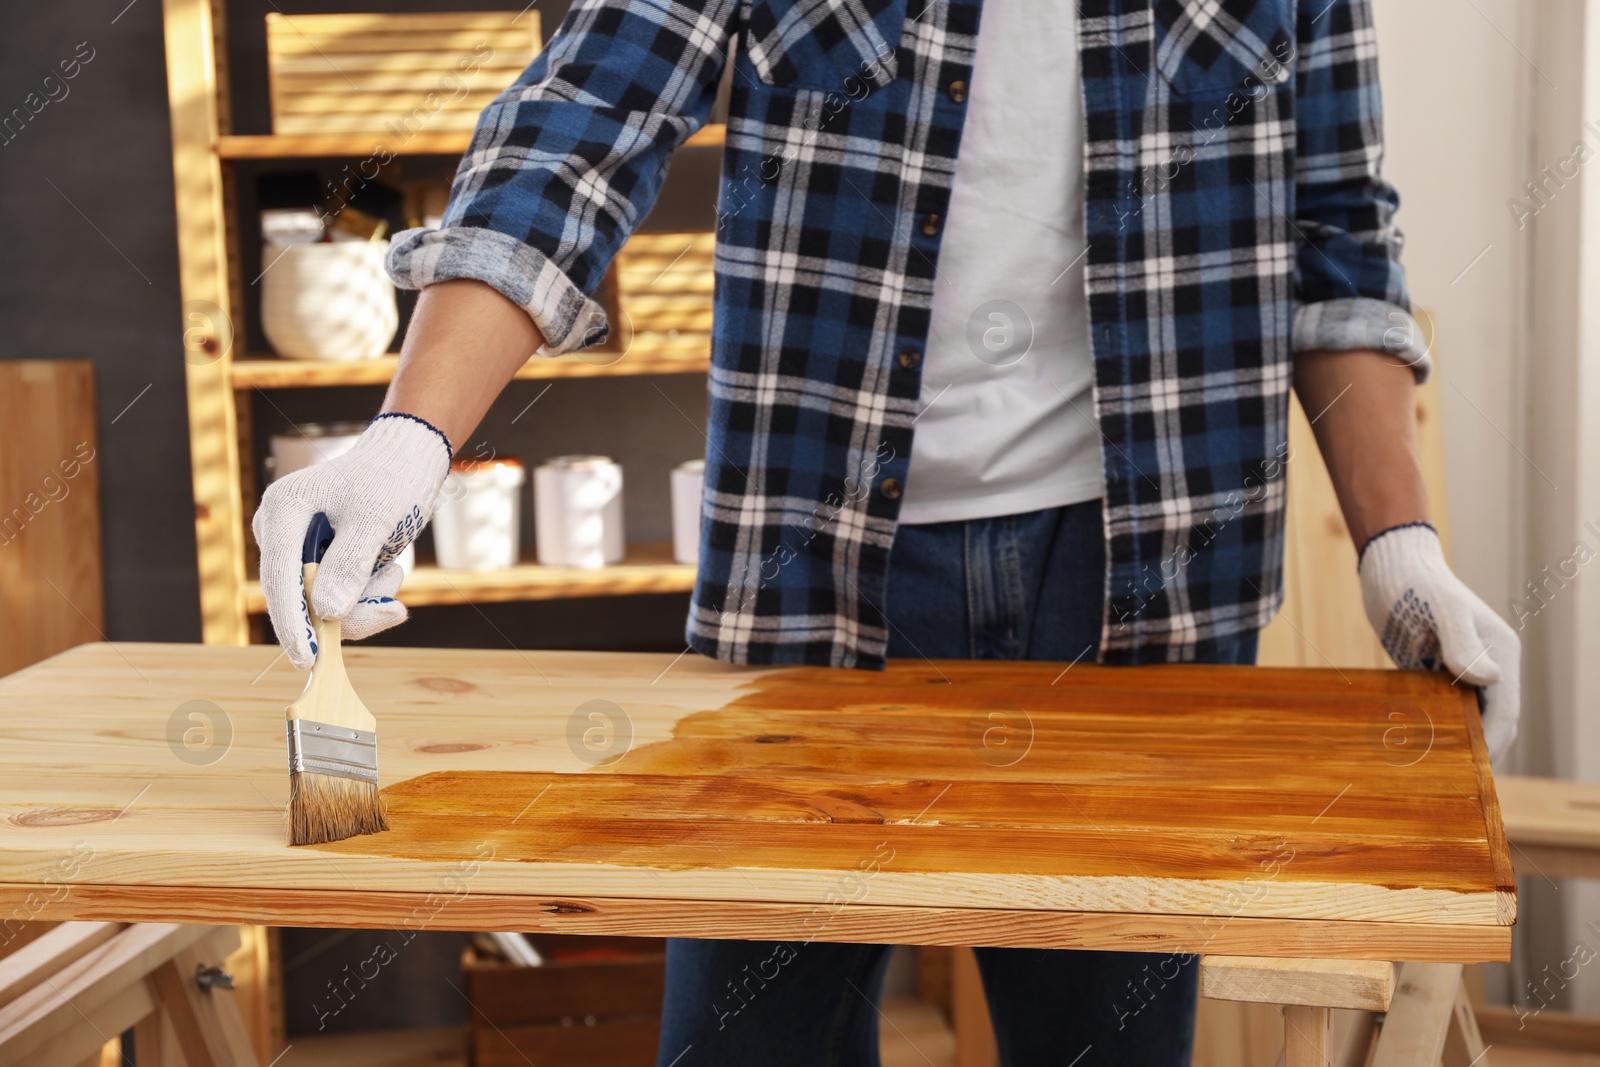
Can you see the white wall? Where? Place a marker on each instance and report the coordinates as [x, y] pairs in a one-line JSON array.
[[1456, 119], [1481, 95]]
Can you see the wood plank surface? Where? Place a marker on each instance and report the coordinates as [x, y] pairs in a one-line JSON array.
[[50, 580], [1364, 984], [648, 568], [196, 81], [1044, 804], [359, 145]]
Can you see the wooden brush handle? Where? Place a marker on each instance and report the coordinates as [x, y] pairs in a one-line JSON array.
[[330, 658], [328, 696]]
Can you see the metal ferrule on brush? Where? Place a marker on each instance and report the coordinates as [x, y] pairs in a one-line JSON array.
[[318, 748]]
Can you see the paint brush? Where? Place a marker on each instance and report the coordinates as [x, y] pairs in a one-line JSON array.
[[333, 738]]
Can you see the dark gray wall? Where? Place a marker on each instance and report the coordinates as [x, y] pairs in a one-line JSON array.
[[90, 272]]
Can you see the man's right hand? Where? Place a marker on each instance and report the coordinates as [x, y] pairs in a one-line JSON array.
[[378, 496]]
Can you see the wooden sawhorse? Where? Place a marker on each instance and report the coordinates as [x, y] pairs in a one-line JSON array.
[[1429, 1019], [63, 996]]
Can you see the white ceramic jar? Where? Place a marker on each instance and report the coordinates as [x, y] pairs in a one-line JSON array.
[[477, 523], [688, 489], [577, 511], [328, 301]]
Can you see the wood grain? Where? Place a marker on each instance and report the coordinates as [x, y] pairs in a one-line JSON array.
[[1175, 801], [1419, 1020], [1364, 984], [50, 566], [1307, 1036], [197, 99], [360, 145], [361, 73], [754, 920], [647, 568]]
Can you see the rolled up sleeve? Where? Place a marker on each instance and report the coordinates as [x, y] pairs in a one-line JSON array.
[[565, 162], [1350, 286]]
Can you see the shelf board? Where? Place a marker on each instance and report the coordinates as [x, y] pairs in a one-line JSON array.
[[357, 145], [269, 372], [649, 568]]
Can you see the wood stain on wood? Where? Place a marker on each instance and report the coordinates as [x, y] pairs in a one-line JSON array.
[[1186, 772]]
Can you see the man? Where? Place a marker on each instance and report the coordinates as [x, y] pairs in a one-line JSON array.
[[1087, 321]]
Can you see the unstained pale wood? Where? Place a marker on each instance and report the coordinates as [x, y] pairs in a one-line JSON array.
[[31, 965], [1153, 806], [1517, 1024], [1328, 983], [203, 338], [206, 1022], [362, 145], [429, 71], [1463, 1043], [1554, 824], [1307, 1036], [642, 357], [1413, 1034], [108, 980], [648, 568]]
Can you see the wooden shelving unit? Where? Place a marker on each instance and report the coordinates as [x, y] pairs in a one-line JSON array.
[[648, 568], [355, 145], [269, 372], [220, 380]]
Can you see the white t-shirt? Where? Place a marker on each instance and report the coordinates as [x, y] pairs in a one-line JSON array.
[[1007, 423]]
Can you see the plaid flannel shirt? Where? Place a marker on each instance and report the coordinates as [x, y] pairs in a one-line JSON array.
[[1235, 215]]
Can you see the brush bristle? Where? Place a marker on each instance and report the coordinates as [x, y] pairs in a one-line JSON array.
[[328, 807]]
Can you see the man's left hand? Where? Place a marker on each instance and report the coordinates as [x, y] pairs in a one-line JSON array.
[[1428, 619]]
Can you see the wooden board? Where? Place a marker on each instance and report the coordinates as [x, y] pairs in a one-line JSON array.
[[1364, 984], [664, 283], [50, 567], [647, 568], [361, 145], [644, 357], [1247, 811], [356, 73], [196, 79]]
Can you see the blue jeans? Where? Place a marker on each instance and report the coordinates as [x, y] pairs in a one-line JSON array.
[[1016, 587]]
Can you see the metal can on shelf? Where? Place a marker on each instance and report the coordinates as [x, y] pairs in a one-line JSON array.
[[477, 524], [688, 488], [577, 511], [312, 442]]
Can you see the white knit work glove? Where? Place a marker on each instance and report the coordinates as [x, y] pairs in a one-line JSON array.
[[377, 496], [1428, 619]]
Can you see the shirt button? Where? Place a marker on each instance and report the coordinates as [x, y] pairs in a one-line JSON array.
[[958, 91], [890, 488], [931, 224], [910, 359]]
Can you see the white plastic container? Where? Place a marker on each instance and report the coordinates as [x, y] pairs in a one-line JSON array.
[[311, 442], [478, 521], [328, 301], [688, 489], [577, 511]]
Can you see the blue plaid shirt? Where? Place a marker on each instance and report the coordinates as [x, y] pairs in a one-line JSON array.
[[1235, 215]]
